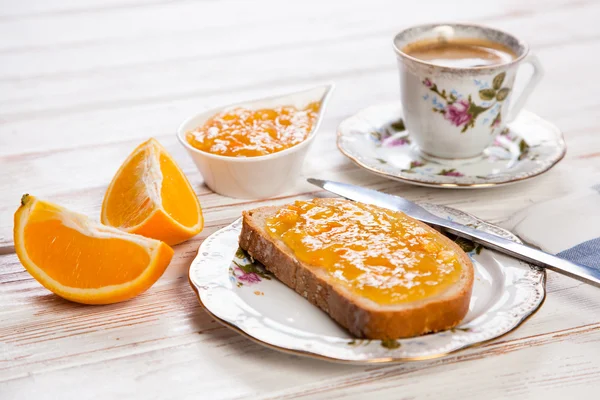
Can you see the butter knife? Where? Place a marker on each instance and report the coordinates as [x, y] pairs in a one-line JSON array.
[[522, 252]]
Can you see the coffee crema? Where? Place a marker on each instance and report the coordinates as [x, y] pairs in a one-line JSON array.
[[460, 52]]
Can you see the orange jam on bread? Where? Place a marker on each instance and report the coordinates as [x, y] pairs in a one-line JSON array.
[[250, 133], [378, 254]]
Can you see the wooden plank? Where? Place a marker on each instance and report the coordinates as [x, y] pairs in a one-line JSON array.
[[97, 56], [18, 10], [91, 169], [100, 112], [153, 327], [495, 377], [211, 48], [195, 17]]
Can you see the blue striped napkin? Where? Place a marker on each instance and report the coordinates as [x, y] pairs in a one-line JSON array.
[[586, 253], [568, 226]]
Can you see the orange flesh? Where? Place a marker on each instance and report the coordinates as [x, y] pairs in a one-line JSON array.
[[177, 199], [131, 202], [377, 253], [107, 261], [129, 205], [246, 133]]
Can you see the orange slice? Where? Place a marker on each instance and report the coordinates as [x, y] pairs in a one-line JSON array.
[[151, 196], [82, 260]]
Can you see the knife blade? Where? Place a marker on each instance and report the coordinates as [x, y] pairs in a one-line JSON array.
[[519, 251]]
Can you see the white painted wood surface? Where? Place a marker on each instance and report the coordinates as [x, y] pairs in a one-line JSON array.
[[83, 82]]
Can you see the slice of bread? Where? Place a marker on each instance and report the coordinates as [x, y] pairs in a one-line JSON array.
[[363, 317]]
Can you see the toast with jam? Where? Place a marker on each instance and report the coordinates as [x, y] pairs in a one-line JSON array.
[[378, 273]]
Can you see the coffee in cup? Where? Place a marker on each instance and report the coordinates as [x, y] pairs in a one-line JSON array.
[[460, 52]]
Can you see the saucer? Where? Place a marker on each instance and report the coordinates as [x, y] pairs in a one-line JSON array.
[[241, 294], [376, 139]]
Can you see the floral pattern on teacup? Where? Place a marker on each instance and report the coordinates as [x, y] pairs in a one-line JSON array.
[[463, 112]]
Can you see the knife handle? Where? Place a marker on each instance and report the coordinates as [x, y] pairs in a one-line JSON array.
[[522, 252]]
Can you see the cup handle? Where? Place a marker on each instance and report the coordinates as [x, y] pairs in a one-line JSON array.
[[536, 76]]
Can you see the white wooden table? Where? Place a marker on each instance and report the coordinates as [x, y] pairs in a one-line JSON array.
[[83, 82]]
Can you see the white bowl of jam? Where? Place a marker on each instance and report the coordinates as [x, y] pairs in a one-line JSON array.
[[255, 149]]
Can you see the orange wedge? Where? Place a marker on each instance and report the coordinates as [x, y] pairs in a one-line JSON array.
[[150, 196], [82, 260]]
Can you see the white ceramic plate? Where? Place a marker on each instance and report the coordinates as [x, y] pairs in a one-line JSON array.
[[376, 140], [246, 298]]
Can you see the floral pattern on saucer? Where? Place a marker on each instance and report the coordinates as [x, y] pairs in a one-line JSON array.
[[505, 292], [376, 139]]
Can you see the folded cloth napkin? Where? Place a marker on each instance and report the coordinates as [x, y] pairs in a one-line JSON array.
[[568, 226]]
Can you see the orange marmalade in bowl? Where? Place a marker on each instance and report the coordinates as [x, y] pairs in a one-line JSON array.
[[241, 132], [376, 253]]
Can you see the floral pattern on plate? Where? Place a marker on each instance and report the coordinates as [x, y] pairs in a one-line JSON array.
[[244, 270], [375, 139], [505, 292]]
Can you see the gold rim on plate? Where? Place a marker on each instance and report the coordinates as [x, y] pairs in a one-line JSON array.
[[535, 304], [389, 360]]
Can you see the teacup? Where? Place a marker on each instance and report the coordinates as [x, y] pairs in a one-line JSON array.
[[454, 109]]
